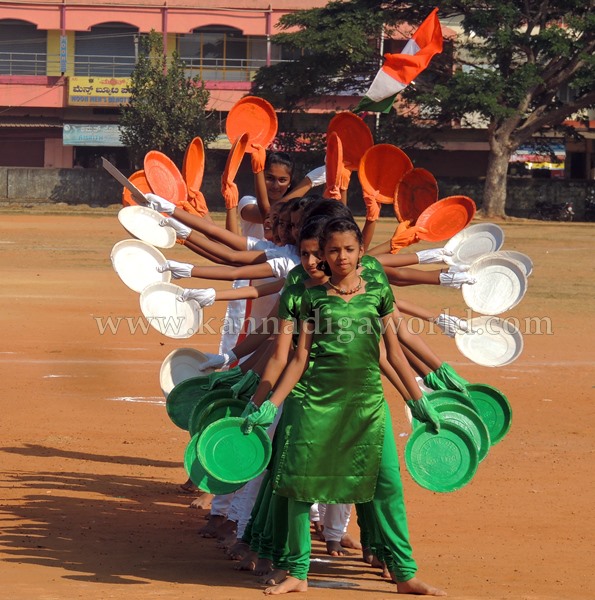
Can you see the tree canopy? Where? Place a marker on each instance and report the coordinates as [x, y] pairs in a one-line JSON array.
[[166, 108], [515, 69]]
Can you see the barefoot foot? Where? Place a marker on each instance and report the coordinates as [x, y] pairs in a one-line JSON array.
[[238, 550], [202, 502], [226, 529], [248, 563], [188, 487], [348, 542], [318, 530], [210, 529], [275, 577], [289, 584], [263, 566], [367, 555], [416, 586], [335, 549], [228, 542]]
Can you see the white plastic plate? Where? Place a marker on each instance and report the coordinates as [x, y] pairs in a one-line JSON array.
[[179, 365], [500, 285], [136, 264], [520, 257], [160, 306], [490, 341], [143, 223], [474, 242]]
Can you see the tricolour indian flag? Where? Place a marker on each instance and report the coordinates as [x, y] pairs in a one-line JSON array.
[[399, 70]]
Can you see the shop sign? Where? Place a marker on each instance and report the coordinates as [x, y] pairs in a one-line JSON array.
[[98, 91], [91, 135]]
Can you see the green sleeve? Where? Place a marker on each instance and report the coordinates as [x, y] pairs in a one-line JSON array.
[[289, 303], [373, 270], [387, 301]]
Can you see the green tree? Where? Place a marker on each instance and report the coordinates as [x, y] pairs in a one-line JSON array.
[[166, 109], [517, 69]]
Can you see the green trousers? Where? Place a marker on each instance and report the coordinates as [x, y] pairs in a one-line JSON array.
[[383, 520]]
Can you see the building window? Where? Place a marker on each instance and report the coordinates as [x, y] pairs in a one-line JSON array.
[[23, 48], [107, 50]]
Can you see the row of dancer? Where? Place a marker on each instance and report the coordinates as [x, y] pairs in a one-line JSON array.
[[316, 256]]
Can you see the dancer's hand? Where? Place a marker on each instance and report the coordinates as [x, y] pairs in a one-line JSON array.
[[450, 325], [217, 361], [345, 178], [160, 204], [178, 270], [454, 279], [433, 255], [204, 296], [423, 411], [372, 206], [451, 378], [258, 158], [230, 194], [262, 417], [182, 231], [405, 235]]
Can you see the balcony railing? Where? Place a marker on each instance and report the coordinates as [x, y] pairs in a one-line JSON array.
[[221, 69], [21, 63], [208, 69]]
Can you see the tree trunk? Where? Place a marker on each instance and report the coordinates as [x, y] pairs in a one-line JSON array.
[[494, 191]]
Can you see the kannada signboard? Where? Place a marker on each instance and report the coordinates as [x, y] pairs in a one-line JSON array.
[[91, 135], [98, 91]]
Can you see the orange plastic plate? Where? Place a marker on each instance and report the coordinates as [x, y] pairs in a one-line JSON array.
[[417, 191], [355, 137], [382, 167], [445, 218], [254, 116], [164, 177]]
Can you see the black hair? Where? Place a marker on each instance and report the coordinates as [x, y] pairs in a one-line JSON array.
[[312, 229], [330, 208], [279, 158], [340, 225], [299, 203]]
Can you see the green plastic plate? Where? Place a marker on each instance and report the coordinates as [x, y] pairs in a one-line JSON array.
[[203, 416], [204, 402], [229, 455], [453, 396], [199, 477], [468, 419], [441, 462], [184, 397], [494, 409]]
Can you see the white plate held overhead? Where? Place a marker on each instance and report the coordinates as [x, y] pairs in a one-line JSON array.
[[136, 264], [490, 341], [500, 285], [143, 223], [179, 365], [474, 242], [160, 306]]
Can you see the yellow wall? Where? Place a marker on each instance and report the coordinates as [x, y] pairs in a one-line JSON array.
[[53, 53]]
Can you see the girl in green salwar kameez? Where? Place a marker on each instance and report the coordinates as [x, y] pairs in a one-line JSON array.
[[337, 444]]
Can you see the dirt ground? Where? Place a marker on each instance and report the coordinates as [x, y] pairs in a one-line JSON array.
[[91, 463]]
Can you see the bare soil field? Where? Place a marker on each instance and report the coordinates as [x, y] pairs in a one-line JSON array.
[[91, 465]]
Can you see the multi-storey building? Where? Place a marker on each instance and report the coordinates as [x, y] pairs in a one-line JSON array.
[[64, 65], [64, 68]]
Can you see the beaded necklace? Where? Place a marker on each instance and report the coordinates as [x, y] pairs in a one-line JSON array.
[[343, 292]]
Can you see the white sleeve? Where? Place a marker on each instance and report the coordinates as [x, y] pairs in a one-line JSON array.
[[246, 201], [254, 243], [281, 266], [317, 176]]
